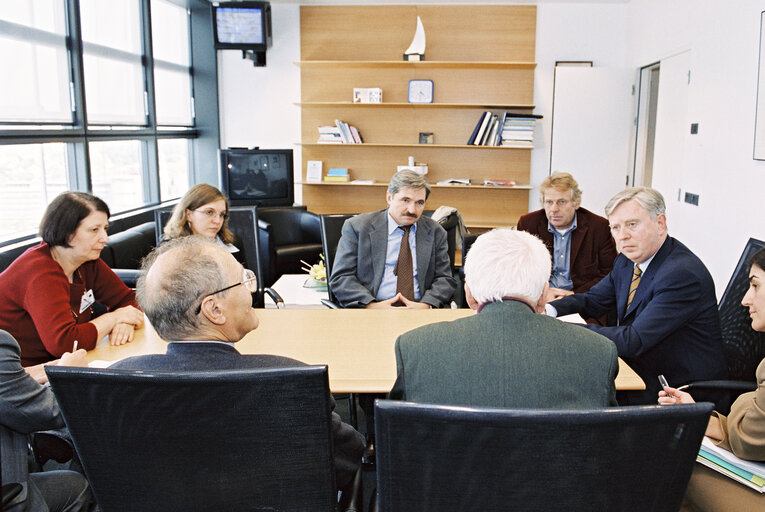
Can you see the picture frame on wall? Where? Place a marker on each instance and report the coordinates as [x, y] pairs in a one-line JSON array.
[[759, 118]]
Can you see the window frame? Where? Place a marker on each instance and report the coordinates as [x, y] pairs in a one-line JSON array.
[[77, 135]]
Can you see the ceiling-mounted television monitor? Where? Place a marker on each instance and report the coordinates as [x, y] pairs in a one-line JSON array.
[[259, 177], [242, 26]]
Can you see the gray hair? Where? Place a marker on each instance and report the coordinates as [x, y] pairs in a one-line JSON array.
[[562, 181], [170, 300], [408, 178], [507, 263], [649, 199]]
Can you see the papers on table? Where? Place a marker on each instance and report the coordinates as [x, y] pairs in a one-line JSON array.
[[99, 363], [751, 474]]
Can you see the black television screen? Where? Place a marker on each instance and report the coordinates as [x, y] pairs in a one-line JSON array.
[[242, 25], [260, 177]]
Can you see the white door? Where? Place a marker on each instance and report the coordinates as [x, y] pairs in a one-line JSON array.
[[672, 129], [592, 123]]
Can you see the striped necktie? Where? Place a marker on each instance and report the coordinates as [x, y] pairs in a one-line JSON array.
[[404, 269], [636, 273]]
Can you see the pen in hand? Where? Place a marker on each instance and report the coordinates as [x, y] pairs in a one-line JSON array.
[[74, 348]]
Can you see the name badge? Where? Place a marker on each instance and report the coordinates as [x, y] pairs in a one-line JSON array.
[[87, 300]]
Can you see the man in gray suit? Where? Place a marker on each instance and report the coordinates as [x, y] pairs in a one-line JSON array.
[[507, 355], [376, 266], [196, 294], [26, 407]]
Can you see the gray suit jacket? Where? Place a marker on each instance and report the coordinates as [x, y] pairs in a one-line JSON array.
[[347, 443], [506, 356], [360, 261], [25, 407]]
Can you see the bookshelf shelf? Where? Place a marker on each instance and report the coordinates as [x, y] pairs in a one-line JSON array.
[[340, 50], [344, 104], [432, 185], [427, 64], [418, 146]]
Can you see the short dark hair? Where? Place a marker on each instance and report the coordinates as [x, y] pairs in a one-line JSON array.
[[758, 259], [65, 213]]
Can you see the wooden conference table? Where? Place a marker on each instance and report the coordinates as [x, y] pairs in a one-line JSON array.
[[356, 344]]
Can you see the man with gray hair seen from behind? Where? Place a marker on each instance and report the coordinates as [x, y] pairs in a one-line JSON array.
[[198, 297], [664, 299], [506, 355], [377, 266]]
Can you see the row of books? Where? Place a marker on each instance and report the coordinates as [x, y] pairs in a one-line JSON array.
[[340, 133], [337, 174], [504, 129]]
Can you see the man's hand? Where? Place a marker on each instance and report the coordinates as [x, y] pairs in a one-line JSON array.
[[383, 304], [76, 358], [556, 293], [411, 304], [37, 372]]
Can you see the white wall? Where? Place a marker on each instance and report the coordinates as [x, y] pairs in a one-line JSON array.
[[257, 103], [724, 41]]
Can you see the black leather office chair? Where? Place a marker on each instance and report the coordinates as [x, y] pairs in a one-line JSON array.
[[198, 441], [455, 459], [286, 236], [331, 232], [744, 347], [459, 293], [243, 222]]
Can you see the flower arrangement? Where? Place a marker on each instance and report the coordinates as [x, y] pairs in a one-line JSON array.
[[317, 272]]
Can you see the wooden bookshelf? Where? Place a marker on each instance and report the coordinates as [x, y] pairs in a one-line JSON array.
[[343, 47]]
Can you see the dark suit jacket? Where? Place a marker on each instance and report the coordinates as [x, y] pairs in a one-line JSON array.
[[592, 248], [347, 443], [25, 407], [506, 356], [360, 261], [672, 327]]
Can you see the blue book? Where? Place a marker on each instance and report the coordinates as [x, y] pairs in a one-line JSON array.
[[337, 171]]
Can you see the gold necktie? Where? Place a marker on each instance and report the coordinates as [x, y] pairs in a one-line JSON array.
[[636, 273], [404, 270]]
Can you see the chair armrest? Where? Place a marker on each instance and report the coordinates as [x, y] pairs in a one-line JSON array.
[[731, 385], [274, 297], [330, 304], [129, 276]]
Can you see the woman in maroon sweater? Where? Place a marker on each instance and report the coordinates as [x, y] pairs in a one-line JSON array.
[[47, 293]]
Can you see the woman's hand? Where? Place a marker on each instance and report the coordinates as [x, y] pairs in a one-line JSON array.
[[129, 315], [121, 333], [671, 396]]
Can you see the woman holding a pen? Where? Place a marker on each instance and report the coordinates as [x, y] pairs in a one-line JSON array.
[[47, 294], [742, 431]]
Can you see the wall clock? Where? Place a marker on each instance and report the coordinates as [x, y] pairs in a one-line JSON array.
[[420, 91]]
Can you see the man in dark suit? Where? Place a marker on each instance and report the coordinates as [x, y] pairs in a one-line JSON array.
[[26, 407], [663, 296], [506, 355], [579, 240], [374, 269], [187, 294]]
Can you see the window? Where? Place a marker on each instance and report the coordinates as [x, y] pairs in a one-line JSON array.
[[95, 102], [32, 175]]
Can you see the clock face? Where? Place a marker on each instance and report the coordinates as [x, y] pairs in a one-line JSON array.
[[420, 91]]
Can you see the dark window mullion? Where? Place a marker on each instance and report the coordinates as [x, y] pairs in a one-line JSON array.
[[150, 161]]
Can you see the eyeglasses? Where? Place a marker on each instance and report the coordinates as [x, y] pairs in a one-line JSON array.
[[209, 212], [249, 281]]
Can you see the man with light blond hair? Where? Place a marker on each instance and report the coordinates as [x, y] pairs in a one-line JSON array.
[[579, 240]]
